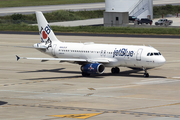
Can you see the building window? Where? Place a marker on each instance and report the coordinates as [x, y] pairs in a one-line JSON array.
[[117, 18]]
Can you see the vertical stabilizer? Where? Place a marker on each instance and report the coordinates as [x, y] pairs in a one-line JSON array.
[[45, 30]]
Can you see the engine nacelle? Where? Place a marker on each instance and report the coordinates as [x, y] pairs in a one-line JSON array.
[[93, 68]]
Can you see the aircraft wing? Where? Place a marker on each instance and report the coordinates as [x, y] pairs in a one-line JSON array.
[[66, 59], [99, 60]]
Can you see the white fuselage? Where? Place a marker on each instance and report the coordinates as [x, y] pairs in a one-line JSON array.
[[117, 55]]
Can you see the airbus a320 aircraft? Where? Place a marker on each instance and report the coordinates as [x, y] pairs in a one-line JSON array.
[[93, 58]]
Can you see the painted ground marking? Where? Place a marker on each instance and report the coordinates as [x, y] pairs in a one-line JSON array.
[[80, 116]]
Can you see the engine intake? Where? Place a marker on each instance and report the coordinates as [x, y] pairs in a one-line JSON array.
[[93, 68]]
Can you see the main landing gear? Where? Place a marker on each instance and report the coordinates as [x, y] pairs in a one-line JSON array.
[[146, 74], [84, 74], [115, 70]]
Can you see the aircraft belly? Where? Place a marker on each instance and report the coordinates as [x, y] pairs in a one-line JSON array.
[[115, 62]]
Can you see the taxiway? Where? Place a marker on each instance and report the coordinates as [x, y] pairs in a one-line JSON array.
[[51, 90]]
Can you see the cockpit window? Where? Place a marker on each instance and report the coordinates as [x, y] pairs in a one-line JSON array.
[[154, 54]]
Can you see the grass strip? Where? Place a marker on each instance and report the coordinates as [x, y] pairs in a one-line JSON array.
[[56, 16], [94, 29], [158, 11]]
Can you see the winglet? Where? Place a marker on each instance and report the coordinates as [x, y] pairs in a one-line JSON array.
[[17, 57]]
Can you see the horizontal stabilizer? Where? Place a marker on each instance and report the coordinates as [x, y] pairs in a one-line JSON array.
[[17, 57]]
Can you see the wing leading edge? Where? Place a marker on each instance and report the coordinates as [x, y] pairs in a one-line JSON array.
[[66, 59]]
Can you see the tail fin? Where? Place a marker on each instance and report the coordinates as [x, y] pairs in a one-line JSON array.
[[45, 30]]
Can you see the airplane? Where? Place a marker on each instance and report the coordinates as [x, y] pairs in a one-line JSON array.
[[92, 57]]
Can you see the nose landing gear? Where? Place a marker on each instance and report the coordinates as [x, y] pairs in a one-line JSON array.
[[146, 74]]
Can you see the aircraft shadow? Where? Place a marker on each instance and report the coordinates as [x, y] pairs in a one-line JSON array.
[[52, 70], [49, 78], [3, 103], [128, 73]]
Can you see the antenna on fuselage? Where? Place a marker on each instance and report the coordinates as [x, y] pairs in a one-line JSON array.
[[150, 46]]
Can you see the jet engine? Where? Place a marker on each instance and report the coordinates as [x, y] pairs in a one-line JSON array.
[[93, 68]]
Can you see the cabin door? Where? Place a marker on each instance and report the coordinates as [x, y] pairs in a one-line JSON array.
[[103, 53], [138, 56]]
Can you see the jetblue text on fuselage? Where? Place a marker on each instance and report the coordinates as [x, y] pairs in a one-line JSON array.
[[122, 52]]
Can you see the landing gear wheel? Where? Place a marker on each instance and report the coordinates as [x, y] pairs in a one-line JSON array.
[[84, 74], [115, 70], [146, 74]]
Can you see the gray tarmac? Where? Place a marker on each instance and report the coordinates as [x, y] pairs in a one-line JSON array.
[[35, 90]]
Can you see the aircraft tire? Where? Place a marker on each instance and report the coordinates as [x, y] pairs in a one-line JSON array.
[[115, 70], [146, 74]]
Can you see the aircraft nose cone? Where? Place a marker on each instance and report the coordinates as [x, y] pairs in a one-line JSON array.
[[161, 61]]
